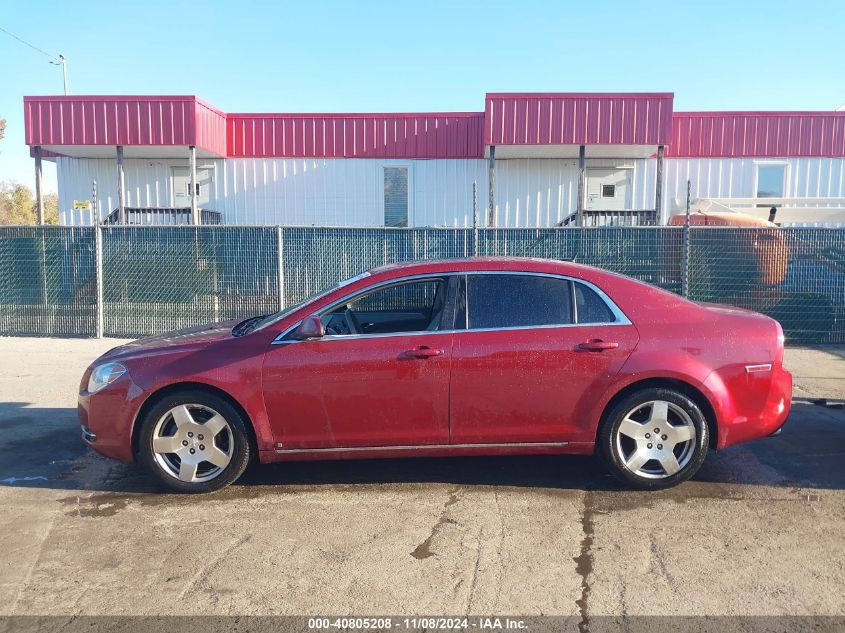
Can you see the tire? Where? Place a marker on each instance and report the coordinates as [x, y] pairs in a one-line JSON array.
[[628, 443], [175, 434]]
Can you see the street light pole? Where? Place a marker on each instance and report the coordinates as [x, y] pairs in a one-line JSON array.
[[64, 70], [62, 61]]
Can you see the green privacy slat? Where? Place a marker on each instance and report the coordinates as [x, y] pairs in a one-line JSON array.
[[157, 279]]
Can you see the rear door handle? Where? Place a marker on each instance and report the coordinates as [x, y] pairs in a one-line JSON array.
[[422, 352], [597, 345]]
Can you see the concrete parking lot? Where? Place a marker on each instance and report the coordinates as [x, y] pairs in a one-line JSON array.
[[759, 531]]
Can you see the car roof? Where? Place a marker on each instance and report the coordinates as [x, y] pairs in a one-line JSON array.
[[464, 264]]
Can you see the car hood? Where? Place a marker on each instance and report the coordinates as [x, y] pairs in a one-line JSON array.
[[177, 341]]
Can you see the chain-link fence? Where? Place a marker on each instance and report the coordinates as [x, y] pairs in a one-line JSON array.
[[133, 281], [795, 275], [157, 279], [47, 280]]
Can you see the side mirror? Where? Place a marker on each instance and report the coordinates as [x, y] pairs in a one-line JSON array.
[[311, 327]]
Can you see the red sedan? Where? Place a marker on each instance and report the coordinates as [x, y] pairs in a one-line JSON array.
[[480, 356]]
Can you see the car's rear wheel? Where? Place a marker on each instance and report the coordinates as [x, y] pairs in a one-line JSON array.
[[194, 441], [654, 438]]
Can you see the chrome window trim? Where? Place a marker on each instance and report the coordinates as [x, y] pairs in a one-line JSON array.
[[619, 317], [347, 298]]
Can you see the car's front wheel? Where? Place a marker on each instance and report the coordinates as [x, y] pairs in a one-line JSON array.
[[194, 441], [654, 438]]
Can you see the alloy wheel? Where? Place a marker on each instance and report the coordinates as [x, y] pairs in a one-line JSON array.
[[192, 443], [656, 439]]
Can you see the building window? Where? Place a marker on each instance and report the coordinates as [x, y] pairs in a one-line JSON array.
[[771, 181], [608, 191], [396, 196]]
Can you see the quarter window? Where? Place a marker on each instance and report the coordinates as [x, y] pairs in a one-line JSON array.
[[396, 196], [589, 307], [500, 301]]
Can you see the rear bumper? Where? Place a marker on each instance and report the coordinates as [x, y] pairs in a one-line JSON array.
[[753, 405]]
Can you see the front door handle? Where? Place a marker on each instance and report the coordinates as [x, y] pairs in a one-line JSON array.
[[422, 352], [597, 345]]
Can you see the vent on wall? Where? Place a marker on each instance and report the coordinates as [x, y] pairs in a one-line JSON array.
[[608, 191]]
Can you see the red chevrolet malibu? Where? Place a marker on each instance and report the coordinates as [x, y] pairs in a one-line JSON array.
[[481, 356]]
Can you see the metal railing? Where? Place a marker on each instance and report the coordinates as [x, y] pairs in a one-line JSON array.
[[132, 280], [616, 217], [828, 212], [163, 216]]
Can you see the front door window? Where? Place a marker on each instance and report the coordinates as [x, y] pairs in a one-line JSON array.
[[405, 307]]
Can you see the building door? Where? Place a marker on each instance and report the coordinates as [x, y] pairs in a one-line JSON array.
[[609, 189], [181, 179]]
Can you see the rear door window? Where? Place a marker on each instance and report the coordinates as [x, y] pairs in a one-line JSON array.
[[505, 301]]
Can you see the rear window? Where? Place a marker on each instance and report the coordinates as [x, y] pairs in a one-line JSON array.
[[501, 301]]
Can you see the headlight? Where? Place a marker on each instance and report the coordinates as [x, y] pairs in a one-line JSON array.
[[103, 375]]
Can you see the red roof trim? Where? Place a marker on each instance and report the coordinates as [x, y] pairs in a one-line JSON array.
[[129, 121], [763, 113], [578, 118], [580, 95], [540, 118], [352, 115], [758, 135]]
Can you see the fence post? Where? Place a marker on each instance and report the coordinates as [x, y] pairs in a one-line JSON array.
[[474, 218], [98, 263], [281, 264], [686, 247]]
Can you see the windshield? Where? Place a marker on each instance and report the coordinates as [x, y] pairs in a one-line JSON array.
[[259, 322]]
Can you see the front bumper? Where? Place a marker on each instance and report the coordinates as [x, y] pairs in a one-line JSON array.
[[106, 418]]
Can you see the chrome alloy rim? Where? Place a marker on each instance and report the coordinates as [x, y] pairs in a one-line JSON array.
[[192, 443], [656, 439]]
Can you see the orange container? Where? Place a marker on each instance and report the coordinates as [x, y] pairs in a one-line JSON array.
[[768, 247]]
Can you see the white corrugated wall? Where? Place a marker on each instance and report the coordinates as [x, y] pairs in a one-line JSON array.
[[287, 191], [349, 192], [735, 178], [147, 181], [534, 192], [344, 192]]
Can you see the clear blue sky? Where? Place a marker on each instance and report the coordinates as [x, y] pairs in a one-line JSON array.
[[417, 56]]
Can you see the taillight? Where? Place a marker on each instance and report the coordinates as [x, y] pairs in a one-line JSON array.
[[781, 339]]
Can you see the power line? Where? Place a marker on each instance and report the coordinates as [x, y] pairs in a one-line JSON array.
[[32, 46]]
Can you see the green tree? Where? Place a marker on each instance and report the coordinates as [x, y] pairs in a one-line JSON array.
[[17, 206]]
